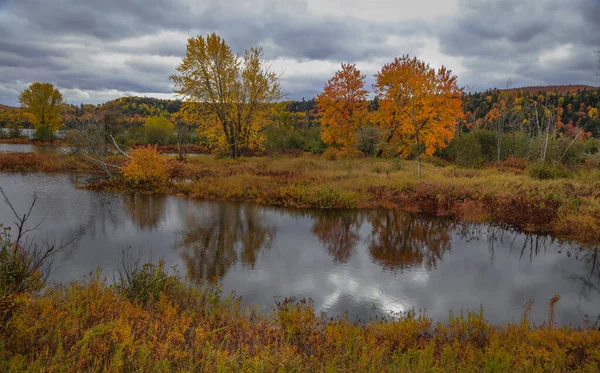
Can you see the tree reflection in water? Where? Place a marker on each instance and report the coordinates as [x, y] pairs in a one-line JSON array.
[[590, 281], [214, 239], [338, 231], [401, 240], [145, 211]]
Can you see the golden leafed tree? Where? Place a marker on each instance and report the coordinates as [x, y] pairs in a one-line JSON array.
[[419, 106], [44, 103], [343, 107], [235, 91]]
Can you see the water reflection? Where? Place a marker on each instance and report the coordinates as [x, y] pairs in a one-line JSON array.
[[368, 263], [30, 148], [338, 231], [589, 280], [145, 211], [402, 241], [215, 238]]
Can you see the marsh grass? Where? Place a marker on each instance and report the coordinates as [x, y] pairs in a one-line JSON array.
[[162, 325], [507, 194]]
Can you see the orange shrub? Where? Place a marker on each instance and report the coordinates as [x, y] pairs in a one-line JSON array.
[[147, 168], [513, 164], [331, 154]]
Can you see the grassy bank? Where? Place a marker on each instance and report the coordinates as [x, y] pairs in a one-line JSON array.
[[567, 206], [49, 162], [156, 323]]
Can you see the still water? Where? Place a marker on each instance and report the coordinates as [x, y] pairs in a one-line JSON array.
[[368, 263], [30, 148]]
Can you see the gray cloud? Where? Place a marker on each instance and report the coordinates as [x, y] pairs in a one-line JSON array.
[[128, 46], [536, 42]]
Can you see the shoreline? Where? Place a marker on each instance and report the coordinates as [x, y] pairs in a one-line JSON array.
[[567, 208], [155, 322]]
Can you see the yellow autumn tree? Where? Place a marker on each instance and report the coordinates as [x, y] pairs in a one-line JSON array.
[[158, 130], [343, 107], [234, 90], [44, 103], [418, 106], [196, 117]]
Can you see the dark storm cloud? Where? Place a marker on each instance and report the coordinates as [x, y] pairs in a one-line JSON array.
[[538, 42], [133, 46], [67, 41], [295, 35]]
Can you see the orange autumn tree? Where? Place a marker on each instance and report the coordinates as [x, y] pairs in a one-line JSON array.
[[343, 107], [418, 106]]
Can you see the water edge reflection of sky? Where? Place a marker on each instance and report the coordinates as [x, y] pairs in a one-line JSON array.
[[365, 263]]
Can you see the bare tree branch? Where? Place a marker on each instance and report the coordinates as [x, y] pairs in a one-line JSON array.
[[568, 147], [28, 263], [117, 146]]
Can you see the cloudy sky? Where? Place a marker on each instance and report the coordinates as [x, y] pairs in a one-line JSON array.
[[96, 50]]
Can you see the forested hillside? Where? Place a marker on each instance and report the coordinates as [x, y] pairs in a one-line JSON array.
[[527, 109]]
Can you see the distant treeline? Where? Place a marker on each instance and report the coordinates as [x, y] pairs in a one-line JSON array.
[[577, 108]]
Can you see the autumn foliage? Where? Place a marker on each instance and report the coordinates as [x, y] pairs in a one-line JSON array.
[[235, 91], [44, 103], [417, 110], [342, 107], [155, 323], [419, 105], [146, 168]]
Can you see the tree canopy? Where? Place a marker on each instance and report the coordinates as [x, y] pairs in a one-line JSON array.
[[235, 90], [418, 105], [343, 107], [44, 102]]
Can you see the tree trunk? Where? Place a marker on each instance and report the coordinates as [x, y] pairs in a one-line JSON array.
[[545, 146], [499, 148], [180, 140], [387, 141], [513, 145], [499, 141], [418, 154], [105, 138]]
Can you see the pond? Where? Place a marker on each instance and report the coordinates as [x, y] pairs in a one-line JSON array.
[[30, 148], [363, 263]]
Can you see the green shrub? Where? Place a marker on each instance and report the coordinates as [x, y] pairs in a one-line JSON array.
[[18, 272], [592, 146], [488, 142], [145, 284], [449, 152], [546, 171], [469, 152], [158, 130], [367, 140], [14, 132], [44, 133], [281, 139], [331, 197]]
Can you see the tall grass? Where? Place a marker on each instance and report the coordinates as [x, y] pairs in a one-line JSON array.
[[166, 325]]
